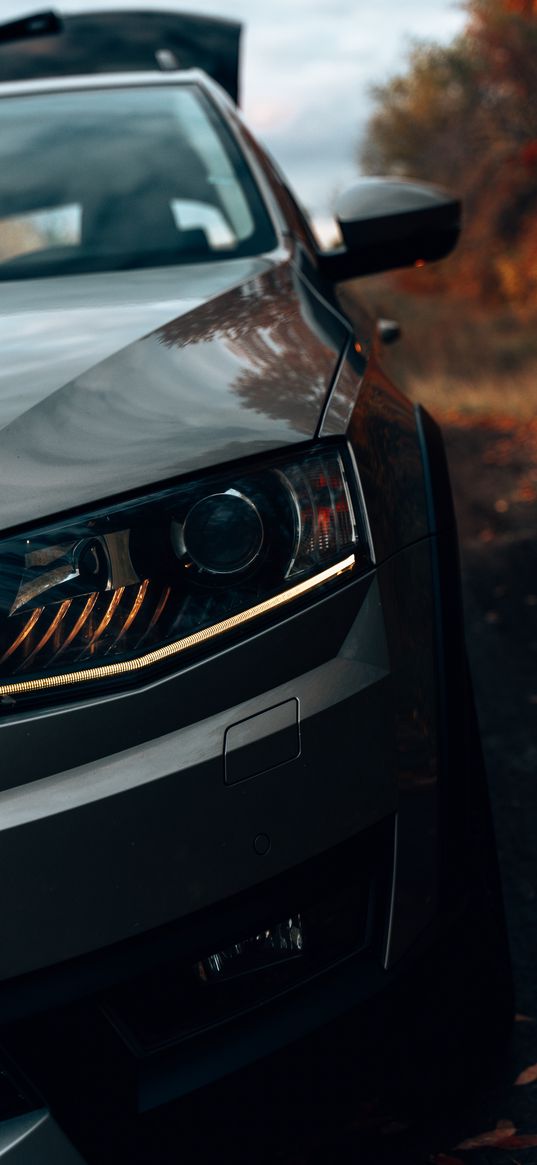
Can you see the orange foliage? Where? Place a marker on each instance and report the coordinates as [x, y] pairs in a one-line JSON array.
[[465, 116]]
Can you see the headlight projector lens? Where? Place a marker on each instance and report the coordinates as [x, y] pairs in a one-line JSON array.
[[223, 533]]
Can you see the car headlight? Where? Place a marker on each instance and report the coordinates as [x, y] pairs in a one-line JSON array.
[[129, 587]]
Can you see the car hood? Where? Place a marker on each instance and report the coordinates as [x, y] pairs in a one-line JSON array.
[[112, 383]]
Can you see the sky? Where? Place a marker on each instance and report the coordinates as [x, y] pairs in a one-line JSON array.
[[307, 70]]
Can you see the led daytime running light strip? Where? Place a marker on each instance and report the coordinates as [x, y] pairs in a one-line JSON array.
[[171, 649]]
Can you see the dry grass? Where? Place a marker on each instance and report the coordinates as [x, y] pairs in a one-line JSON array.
[[512, 395], [455, 355]]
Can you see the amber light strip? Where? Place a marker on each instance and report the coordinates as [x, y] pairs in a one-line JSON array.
[[24, 633], [48, 634], [107, 617], [171, 649], [88, 608], [140, 596]]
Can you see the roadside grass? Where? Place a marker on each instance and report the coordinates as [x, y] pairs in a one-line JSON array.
[[454, 356], [500, 397]]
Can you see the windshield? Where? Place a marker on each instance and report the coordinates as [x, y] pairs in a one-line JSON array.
[[109, 179]]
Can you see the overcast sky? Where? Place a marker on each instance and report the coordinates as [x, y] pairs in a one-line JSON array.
[[307, 69]]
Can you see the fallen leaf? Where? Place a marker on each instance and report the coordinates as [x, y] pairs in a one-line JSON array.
[[504, 1136], [495, 1137], [501, 506], [520, 1017], [528, 1075], [491, 617], [525, 493], [519, 1141]]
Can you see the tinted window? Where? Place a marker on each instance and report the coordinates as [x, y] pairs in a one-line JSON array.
[[118, 178]]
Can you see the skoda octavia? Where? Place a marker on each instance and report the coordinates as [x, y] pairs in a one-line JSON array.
[[243, 808]]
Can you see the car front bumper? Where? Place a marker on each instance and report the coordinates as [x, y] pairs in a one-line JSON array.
[[130, 845]]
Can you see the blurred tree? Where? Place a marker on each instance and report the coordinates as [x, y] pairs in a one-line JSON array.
[[465, 116]]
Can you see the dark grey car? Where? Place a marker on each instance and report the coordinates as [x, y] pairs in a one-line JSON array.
[[242, 798]]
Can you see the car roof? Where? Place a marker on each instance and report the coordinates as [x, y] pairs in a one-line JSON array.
[[109, 80]]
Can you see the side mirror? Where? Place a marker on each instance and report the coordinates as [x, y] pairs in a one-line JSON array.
[[391, 222]]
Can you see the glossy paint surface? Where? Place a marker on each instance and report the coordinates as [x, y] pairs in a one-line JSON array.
[[53, 330], [383, 434], [113, 383]]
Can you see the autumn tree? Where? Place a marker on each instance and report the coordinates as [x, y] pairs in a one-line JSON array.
[[465, 116]]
